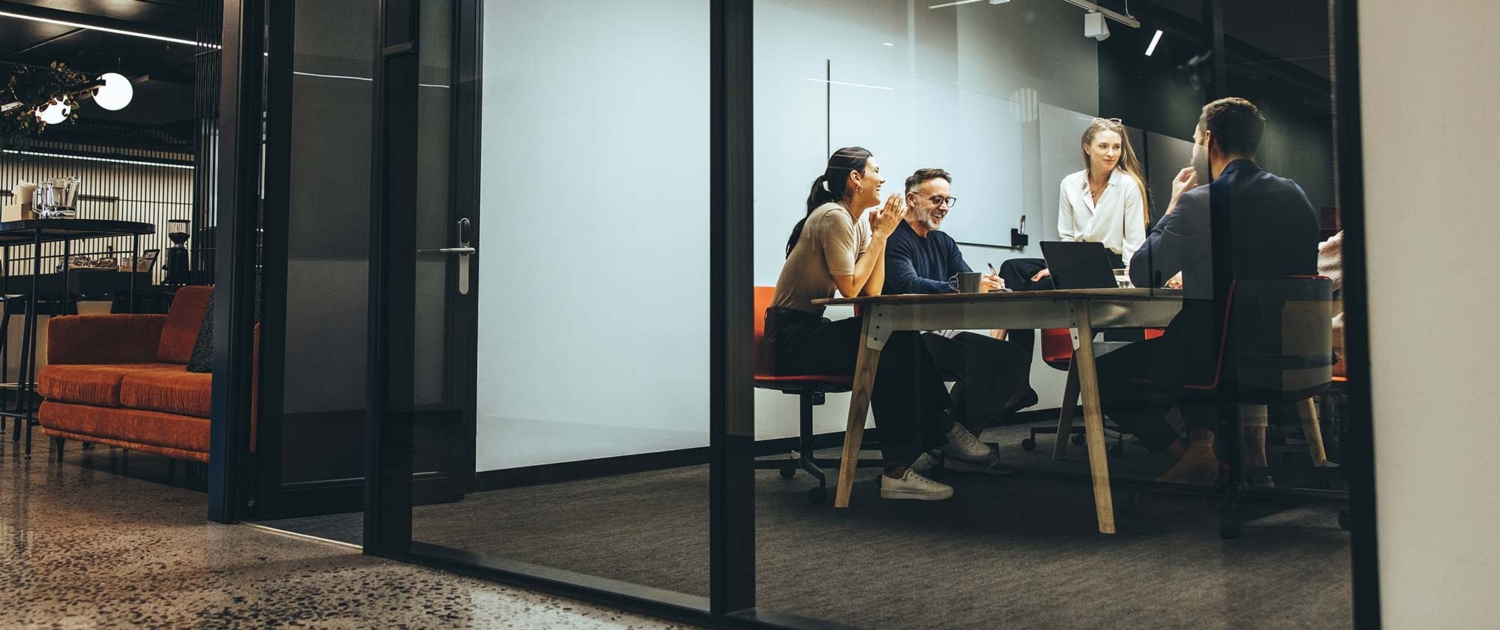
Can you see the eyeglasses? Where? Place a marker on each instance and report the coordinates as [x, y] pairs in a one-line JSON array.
[[938, 200], [1109, 122]]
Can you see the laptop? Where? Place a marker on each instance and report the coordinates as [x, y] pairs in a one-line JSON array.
[[1079, 265]]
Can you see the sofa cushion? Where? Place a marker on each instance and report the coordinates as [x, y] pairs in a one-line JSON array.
[[90, 384], [132, 426], [169, 391], [183, 321]]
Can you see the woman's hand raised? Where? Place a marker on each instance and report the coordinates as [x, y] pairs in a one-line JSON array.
[[889, 216]]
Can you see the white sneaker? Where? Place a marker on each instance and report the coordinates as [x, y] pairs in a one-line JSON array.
[[914, 487], [963, 445]]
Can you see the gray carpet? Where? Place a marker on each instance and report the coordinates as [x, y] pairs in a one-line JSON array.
[[1021, 552]]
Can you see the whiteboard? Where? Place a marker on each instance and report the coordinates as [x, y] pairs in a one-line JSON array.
[[910, 123]]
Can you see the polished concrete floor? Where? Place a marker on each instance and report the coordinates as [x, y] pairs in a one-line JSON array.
[[105, 539]]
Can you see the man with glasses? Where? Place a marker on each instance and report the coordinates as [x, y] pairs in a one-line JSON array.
[[991, 373]]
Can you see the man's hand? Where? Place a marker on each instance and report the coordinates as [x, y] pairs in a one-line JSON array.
[[1041, 274], [1187, 179], [1175, 282], [991, 282], [890, 215]]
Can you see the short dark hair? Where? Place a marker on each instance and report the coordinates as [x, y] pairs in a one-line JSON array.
[[1235, 123], [924, 174]]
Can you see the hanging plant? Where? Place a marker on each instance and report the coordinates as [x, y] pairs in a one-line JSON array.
[[30, 89]]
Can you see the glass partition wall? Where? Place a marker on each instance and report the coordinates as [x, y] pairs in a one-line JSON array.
[[599, 360]]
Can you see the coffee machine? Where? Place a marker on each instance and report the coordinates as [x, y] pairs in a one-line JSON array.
[[177, 254]]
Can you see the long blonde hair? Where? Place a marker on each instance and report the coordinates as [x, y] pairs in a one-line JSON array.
[[1129, 164]]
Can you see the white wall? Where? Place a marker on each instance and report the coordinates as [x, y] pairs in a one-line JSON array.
[[966, 86], [594, 337], [1429, 93]]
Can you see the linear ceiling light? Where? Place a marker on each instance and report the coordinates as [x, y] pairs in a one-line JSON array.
[[1154, 39], [97, 159], [105, 29], [953, 4]]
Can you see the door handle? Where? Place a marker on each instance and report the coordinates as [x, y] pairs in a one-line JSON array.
[[463, 250]]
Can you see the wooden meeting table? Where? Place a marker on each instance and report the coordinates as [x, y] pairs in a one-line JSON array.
[[1084, 310]]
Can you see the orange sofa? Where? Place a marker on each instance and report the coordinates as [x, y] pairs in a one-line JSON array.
[[122, 380]]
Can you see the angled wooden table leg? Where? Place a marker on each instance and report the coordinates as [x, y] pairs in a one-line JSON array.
[[859, 406], [1310, 429], [1093, 418], [1065, 416]]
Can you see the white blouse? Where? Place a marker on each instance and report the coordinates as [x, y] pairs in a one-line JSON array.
[[1118, 221]]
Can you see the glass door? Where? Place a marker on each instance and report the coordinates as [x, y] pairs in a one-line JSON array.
[[574, 422]]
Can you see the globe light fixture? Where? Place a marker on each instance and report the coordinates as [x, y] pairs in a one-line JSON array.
[[116, 92], [54, 112]]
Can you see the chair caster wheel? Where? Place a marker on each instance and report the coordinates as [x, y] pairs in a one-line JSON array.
[[1028, 444], [1078, 439], [817, 495], [1346, 522], [1117, 451], [789, 470]]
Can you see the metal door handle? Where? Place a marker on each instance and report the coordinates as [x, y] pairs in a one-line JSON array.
[[463, 250]]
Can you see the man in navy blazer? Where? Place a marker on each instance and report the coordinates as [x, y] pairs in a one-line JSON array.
[[1272, 231]]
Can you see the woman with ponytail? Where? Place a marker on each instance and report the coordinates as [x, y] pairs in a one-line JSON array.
[[836, 248], [1106, 202]]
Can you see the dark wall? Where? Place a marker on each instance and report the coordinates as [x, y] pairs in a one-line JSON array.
[[1276, 56]]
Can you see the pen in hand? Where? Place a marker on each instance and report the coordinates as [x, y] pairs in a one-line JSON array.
[[996, 274]]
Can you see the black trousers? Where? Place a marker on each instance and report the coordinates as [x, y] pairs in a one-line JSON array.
[[1138, 409], [989, 371], [909, 399], [1017, 273]]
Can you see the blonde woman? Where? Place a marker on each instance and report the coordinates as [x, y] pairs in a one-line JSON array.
[[1106, 202]]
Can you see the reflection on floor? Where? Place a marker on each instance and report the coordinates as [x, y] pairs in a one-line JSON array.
[[81, 547], [1021, 552]]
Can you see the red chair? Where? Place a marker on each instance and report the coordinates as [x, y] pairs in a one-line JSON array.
[[810, 390]]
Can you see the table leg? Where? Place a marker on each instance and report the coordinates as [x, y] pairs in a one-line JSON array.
[[1065, 415], [135, 252], [25, 389], [859, 406], [1093, 418]]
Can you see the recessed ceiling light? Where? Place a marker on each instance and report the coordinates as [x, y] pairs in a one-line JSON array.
[[1154, 39], [106, 30], [887, 44]]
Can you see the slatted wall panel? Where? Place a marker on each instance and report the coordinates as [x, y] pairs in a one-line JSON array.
[[120, 184], [206, 140]]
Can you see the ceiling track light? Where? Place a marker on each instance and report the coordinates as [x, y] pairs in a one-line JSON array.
[[1123, 18]]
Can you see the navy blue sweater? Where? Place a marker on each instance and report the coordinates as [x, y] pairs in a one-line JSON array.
[[914, 264]]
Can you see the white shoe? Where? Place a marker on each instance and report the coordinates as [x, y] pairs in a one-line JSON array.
[[963, 445], [914, 487]]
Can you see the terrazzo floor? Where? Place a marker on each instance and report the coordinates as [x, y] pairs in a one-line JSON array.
[[84, 547]]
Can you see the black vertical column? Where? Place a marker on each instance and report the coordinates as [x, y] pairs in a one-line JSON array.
[[1359, 454], [234, 295], [731, 294], [393, 250]]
